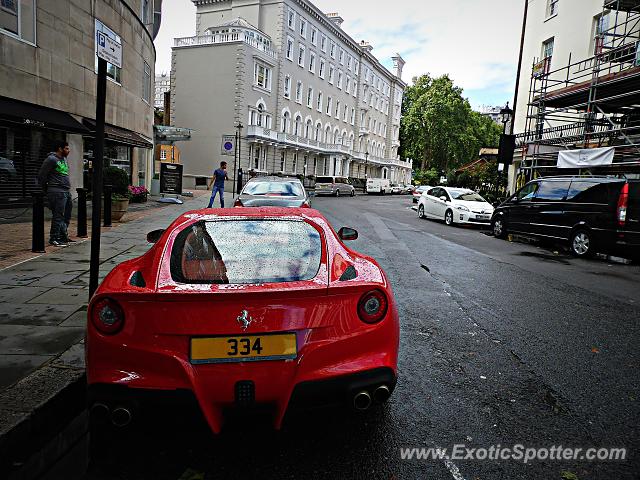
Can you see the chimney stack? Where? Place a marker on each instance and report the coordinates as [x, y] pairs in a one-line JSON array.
[[398, 64], [336, 18], [366, 46]]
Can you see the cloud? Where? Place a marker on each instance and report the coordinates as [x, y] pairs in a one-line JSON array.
[[476, 42]]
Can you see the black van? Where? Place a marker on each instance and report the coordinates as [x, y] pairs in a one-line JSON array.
[[590, 213]]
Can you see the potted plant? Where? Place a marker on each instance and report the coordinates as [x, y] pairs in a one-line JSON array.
[[119, 181], [138, 194]]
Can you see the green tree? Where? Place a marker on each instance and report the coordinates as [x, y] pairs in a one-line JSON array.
[[439, 129]]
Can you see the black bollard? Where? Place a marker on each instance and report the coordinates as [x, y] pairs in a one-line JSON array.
[[107, 205], [82, 212], [239, 182], [37, 230]]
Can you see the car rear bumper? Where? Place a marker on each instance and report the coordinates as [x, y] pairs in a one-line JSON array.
[[325, 359]]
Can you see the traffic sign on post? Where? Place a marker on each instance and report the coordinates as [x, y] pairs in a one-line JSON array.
[[108, 49]]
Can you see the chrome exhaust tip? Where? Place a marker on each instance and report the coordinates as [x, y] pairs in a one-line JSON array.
[[99, 412], [381, 394], [121, 416], [362, 400]]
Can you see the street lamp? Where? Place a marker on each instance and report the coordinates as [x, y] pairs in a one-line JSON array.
[[507, 115], [366, 161]]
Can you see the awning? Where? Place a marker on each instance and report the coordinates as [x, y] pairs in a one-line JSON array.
[[31, 115], [585, 158], [119, 135]]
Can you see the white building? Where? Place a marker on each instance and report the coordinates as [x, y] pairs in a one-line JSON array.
[[162, 85], [312, 100], [579, 85]]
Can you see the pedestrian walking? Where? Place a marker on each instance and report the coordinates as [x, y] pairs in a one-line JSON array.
[[217, 180], [53, 179]]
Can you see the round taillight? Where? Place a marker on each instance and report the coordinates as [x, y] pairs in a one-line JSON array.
[[107, 316], [372, 306]]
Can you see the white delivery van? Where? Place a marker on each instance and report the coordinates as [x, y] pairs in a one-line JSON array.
[[378, 185]]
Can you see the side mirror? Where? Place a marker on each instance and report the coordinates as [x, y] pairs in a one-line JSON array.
[[154, 236], [443, 198], [346, 233]]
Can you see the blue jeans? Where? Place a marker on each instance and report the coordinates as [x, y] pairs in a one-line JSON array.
[[213, 196], [60, 204]]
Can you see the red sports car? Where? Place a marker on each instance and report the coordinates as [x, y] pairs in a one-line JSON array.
[[241, 308]]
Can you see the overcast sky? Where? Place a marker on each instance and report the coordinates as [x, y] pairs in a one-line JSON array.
[[475, 41]]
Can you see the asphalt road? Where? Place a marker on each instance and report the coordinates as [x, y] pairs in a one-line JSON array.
[[502, 343]]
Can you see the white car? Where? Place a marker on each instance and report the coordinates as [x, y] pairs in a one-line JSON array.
[[396, 189], [454, 205]]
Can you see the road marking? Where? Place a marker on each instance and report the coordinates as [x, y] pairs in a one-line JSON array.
[[380, 228], [454, 470]]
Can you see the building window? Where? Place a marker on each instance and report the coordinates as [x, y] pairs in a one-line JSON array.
[[341, 57], [262, 76], [347, 86], [353, 115], [289, 48], [338, 109], [349, 62], [312, 62], [356, 65], [310, 97], [340, 79], [297, 127], [552, 7], [294, 165], [299, 92], [283, 157], [113, 72], [287, 87], [303, 27], [147, 15], [286, 120], [333, 50], [600, 26], [291, 19], [314, 36], [329, 105], [547, 48], [163, 154], [323, 43], [18, 18], [146, 82], [301, 51], [345, 116], [331, 72], [321, 70], [319, 102]]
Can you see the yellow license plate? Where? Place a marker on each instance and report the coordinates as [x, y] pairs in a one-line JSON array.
[[245, 348]]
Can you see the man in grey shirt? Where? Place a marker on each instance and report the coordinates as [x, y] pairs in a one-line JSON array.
[[54, 181]]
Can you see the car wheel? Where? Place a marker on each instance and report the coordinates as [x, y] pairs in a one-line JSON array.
[[421, 211], [337, 192], [448, 217], [581, 243], [499, 227]]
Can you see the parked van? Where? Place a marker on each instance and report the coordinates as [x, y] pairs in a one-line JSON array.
[[378, 185], [591, 214], [328, 185]]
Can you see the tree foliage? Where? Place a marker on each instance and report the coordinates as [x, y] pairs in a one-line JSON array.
[[439, 129]]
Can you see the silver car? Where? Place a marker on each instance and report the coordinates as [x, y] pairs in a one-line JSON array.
[[336, 186]]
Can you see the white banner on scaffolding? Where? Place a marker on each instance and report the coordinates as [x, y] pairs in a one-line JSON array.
[[589, 157]]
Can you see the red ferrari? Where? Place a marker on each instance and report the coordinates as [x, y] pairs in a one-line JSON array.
[[243, 308]]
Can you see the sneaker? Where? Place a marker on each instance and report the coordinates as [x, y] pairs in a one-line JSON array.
[[58, 243], [70, 240]]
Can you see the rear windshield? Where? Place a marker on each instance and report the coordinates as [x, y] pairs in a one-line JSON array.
[[324, 179], [246, 252], [281, 189]]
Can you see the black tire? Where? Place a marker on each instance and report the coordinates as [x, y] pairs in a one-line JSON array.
[[421, 211], [581, 243], [448, 217], [501, 230], [353, 193]]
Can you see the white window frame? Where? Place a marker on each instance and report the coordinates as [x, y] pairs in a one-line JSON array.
[[332, 71], [321, 68], [303, 28], [301, 54], [339, 82], [287, 87], [552, 8], [337, 115], [332, 49], [163, 154], [19, 17], [146, 82], [545, 48], [341, 56], [314, 36], [310, 97], [323, 43], [345, 114], [291, 19], [299, 91], [267, 75], [290, 48], [353, 116], [329, 105], [312, 62], [319, 102], [349, 62]]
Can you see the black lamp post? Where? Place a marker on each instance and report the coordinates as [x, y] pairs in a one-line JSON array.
[[236, 158], [507, 116], [366, 161]]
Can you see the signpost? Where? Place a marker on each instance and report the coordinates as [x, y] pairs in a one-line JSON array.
[[107, 50]]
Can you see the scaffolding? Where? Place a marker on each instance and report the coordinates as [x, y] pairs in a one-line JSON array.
[[589, 103]]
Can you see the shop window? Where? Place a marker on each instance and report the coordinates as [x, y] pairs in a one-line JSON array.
[[18, 18]]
